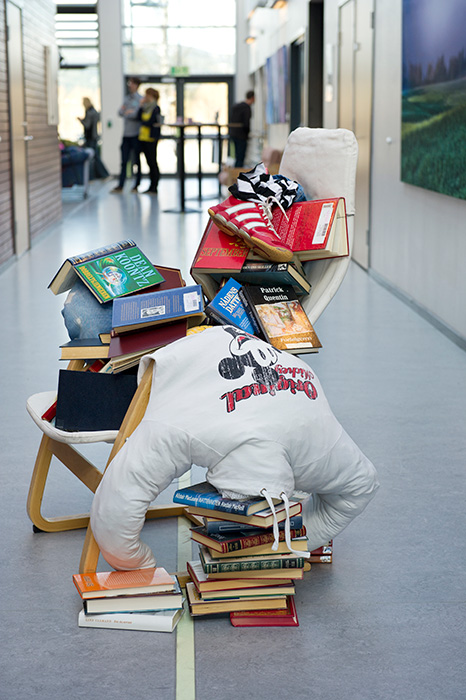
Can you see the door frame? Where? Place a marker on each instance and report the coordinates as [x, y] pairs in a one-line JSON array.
[[180, 81]]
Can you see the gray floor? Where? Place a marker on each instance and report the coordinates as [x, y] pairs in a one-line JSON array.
[[385, 620]]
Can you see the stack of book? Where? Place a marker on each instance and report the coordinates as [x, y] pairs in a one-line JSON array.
[[144, 599], [237, 570], [274, 314], [314, 230], [264, 298], [147, 306]]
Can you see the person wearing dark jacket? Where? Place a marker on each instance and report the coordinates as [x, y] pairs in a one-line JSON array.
[[89, 122], [240, 119], [149, 134]]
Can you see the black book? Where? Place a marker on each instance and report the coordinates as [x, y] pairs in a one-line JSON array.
[[92, 400]]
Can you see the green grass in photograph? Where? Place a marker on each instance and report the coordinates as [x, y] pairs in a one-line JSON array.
[[434, 138]]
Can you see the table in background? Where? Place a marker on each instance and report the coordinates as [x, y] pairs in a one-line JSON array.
[[180, 138]]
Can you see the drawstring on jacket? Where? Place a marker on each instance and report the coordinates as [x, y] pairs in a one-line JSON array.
[[276, 534]]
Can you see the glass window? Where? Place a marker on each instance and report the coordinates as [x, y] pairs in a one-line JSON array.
[[73, 85], [159, 36]]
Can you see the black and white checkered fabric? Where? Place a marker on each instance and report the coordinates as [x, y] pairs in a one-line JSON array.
[[257, 184]]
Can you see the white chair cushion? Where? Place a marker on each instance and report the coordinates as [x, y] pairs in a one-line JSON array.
[[324, 162], [36, 406]]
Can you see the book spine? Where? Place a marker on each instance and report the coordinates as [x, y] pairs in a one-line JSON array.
[[50, 413], [324, 559], [100, 252], [249, 309], [211, 503], [225, 526], [260, 565], [257, 540], [217, 317], [129, 621]]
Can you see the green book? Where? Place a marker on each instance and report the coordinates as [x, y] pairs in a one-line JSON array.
[[259, 563], [108, 272]]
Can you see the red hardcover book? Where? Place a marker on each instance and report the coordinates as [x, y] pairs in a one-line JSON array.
[[267, 618], [326, 549], [218, 253], [315, 229], [147, 339], [171, 278], [50, 413]]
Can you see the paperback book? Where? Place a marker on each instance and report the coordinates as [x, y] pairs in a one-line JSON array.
[[271, 274], [114, 583], [159, 621], [263, 518], [108, 272], [227, 308], [169, 600], [281, 318], [145, 310], [206, 496]]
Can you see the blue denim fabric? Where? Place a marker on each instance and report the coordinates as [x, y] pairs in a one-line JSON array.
[[300, 196], [84, 316]]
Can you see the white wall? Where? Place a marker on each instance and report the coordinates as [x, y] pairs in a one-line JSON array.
[[111, 82], [418, 237]]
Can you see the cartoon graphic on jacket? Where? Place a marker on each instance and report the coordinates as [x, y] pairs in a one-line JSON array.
[[255, 417]]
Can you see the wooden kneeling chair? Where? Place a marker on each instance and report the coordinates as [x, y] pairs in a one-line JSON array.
[[59, 443]]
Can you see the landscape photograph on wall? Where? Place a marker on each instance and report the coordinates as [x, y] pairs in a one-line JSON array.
[[433, 133]]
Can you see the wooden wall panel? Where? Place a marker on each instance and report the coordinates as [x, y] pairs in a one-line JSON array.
[[44, 169], [43, 156], [6, 228]]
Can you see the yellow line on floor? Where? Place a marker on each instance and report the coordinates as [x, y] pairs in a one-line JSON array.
[[185, 656]]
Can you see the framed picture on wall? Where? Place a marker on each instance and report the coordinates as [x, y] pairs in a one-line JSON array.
[[433, 143]]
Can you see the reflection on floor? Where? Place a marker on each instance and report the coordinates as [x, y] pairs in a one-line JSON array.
[[385, 620]]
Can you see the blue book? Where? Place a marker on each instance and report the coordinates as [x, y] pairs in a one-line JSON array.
[[145, 310], [214, 527], [204, 495], [227, 308]]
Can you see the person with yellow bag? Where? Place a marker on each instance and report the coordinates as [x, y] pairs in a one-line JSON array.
[[149, 133]]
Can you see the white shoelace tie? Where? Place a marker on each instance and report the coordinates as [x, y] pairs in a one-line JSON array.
[[276, 533], [267, 208], [285, 500]]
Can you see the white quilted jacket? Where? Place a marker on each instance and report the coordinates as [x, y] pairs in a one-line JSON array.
[[255, 417]]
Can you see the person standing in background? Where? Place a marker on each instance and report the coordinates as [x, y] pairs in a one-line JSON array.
[[129, 145], [240, 117], [149, 134], [89, 122]]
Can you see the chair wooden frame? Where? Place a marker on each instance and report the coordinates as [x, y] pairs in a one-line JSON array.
[[88, 474]]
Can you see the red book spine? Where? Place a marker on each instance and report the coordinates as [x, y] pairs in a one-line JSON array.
[[51, 412]]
